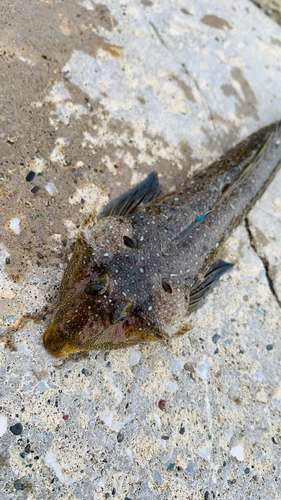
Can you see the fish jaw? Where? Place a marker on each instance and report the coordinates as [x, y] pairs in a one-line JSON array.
[[55, 343]]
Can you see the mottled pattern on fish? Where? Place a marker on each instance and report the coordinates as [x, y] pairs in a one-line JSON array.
[[144, 266]]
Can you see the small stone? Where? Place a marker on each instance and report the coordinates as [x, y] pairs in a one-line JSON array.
[[18, 485], [238, 452], [269, 347], [215, 338], [3, 425], [35, 189], [134, 357], [188, 367], [182, 430], [30, 176], [175, 365], [107, 495], [203, 370], [65, 417], [64, 243], [86, 372], [22, 454], [204, 453], [16, 429], [8, 260], [247, 470], [206, 495], [190, 469], [161, 404], [166, 438], [157, 478], [15, 225], [231, 481], [275, 440], [27, 449], [120, 437], [171, 467], [51, 188]]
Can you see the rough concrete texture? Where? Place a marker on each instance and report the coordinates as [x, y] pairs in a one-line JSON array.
[[94, 97]]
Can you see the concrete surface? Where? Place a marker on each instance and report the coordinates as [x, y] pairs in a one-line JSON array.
[[93, 98]]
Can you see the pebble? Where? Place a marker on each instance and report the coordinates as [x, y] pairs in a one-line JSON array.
[[18, 485], [173, 386], [35, 189], [204, 453], [215, 338], [204, 369], [86, 372], [16, 429], [188, 367], [258, 375], [85, 393], [158, 421], [238, 452], [120, 437], [169, 456], [92, 423], [30, 176], [15, 225], [129, 455], [171, 467], [157, 478], [50, 187], [3, 425], [228, 435], [269, 347], [7, 260], [134, 357], [42, 386], [191, 469], [227, 342], [23, 350], [175, 365]]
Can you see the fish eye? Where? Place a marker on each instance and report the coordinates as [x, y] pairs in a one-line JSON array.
[[166, 287], [128, 242], [97, 285]]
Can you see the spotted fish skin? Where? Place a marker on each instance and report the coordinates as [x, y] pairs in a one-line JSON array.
[[145, 264]]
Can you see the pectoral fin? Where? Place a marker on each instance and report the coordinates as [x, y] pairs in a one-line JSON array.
[[141, 194], [211, 278]]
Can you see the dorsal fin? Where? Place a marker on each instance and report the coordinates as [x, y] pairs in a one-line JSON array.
[[139, 195]]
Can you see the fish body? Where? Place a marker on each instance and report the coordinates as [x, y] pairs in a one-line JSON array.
[[139, 270]]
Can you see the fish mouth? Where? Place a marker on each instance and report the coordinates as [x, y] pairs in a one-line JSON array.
[[55, 343]]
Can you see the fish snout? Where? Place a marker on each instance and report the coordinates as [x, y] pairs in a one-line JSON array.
[[56, 343]]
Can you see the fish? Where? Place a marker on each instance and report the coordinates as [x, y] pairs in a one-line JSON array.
[[142, 266]]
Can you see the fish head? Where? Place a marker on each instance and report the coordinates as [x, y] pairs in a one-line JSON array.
[[103, 294]]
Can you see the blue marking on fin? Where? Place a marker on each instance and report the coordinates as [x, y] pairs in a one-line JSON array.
[[203, 216]]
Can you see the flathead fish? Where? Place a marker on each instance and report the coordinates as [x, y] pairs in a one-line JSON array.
[[141, 267]]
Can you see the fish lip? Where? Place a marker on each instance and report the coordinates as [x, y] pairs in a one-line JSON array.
[[55, 343]]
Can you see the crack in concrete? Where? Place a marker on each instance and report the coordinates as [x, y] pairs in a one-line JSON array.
[[264, 261], [185, 70]]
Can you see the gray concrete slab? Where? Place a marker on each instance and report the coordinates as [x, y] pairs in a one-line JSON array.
[[93, 98]]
